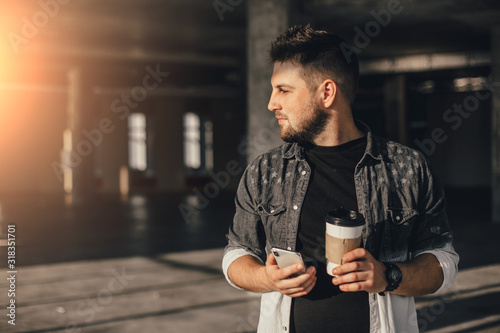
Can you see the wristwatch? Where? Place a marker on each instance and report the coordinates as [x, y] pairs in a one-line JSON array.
[[393, 275]]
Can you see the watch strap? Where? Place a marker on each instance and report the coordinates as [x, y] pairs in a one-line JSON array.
[[392, 283]]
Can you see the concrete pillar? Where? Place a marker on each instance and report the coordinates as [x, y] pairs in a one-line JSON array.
[[266, 20], [495, 124], [81, 146], [395, 109]]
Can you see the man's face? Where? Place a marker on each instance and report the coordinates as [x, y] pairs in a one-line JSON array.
[[297, 109]]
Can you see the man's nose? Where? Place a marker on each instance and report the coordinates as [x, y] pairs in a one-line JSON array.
[[272, 105]]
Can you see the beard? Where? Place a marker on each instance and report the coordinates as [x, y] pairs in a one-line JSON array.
[[309, 128]]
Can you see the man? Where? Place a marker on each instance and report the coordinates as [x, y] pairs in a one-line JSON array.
[[331, 161]]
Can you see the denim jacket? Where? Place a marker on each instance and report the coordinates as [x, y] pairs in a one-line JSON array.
[[398, 194]]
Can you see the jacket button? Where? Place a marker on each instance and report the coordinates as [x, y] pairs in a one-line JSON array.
[[289, 248], [272, 211], [295, 207], [303, 173]]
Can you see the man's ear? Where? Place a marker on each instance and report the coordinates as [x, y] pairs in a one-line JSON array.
[[328, 93]]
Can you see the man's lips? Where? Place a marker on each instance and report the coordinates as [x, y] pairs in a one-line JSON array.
[[281, 119]]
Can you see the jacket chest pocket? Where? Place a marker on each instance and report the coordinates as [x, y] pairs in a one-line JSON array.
[[396, 233], [401, 215], [274, 220]]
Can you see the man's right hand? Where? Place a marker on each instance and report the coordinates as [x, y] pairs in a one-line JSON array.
[[280, 280]]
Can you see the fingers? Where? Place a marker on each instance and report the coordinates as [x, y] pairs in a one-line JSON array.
[[356, 254], [298, 286], [352, 267], [355, 281], [271, 260], [365, 273], [302, 290], [291, 270], [291, 286], [353, 287], [285, 272], [353, 277]]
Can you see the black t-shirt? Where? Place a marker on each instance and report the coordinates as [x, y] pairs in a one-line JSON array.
[[326, 308]]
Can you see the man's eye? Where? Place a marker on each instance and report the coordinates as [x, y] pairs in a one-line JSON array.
[[283, 91]]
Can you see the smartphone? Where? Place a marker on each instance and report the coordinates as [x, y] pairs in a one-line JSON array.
[[285, 258]]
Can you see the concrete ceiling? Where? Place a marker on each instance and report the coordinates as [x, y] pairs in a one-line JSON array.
[[191, 31], [420, 26]]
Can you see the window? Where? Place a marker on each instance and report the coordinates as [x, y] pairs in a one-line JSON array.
[[137, 142], [192, 141], [198, 143]]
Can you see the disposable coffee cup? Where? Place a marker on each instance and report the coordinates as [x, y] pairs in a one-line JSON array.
[[343, 234]]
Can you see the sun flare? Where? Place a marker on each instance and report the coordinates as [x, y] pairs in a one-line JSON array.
[[7, 54]]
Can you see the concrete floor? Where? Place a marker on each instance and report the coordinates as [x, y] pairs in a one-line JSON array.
[[137, 266]]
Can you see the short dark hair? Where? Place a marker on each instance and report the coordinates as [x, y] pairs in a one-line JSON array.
[[321, 52]]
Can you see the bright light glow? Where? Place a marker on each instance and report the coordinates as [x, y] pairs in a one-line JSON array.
[[427, 87], [192, 144], [66, 161], [68, 180], [6, 63], [124, 181], [7, 54], [67, 140], [470, 84], [198, 142], [137, 145]]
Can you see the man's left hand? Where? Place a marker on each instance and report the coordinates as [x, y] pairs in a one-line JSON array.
[[360, 271]]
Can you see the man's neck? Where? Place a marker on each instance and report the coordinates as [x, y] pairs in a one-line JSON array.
[[339, 130]]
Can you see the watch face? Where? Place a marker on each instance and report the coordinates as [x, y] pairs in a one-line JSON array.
[[396, 275]]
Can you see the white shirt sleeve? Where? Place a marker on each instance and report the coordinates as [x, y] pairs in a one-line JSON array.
[[448, 259], [231, 256]]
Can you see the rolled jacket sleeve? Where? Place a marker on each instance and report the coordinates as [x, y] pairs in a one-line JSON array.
[[433, 234], [246, 235]]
